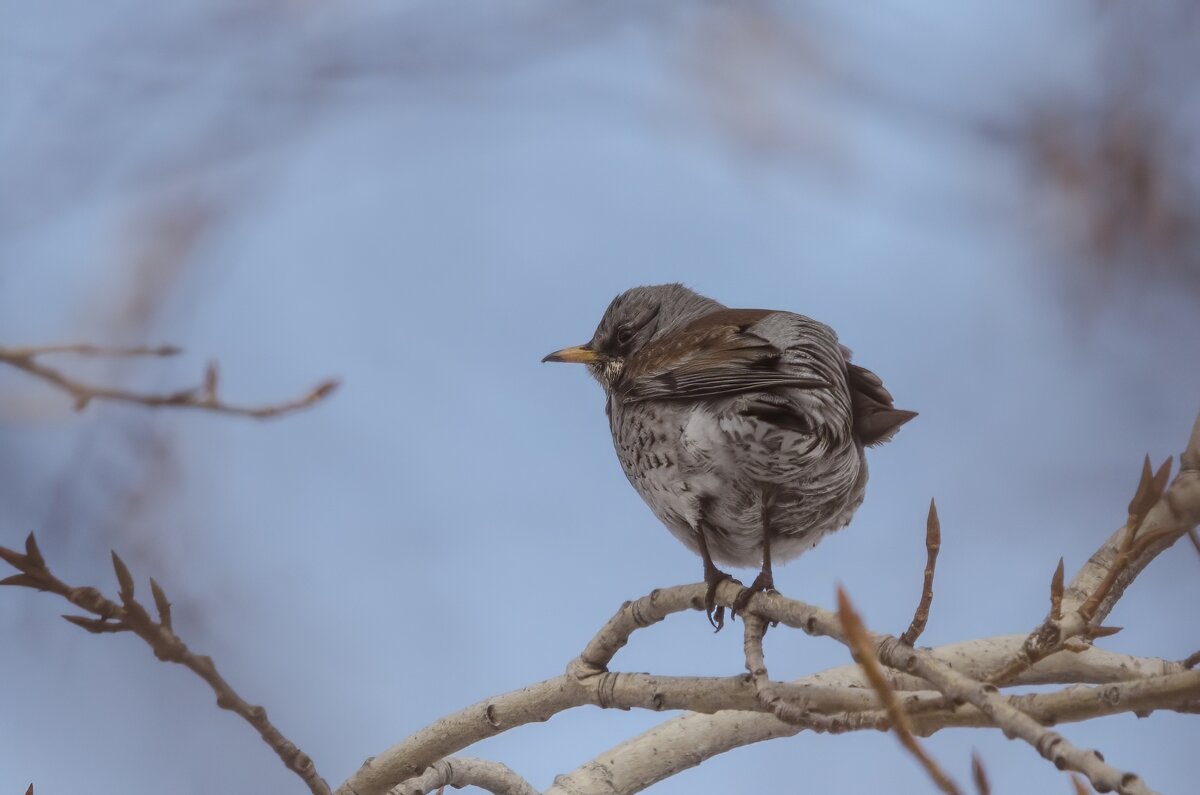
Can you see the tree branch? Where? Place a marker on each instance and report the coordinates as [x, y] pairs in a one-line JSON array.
[[635, 764], [131, 616], [860, 646], [922, 691], [203, 397], [933, 544], [1050, 744], [1172, 516], [465, 771], [835, 700]]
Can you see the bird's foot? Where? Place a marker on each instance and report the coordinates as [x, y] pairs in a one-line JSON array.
[[763, 583], [716, 613]]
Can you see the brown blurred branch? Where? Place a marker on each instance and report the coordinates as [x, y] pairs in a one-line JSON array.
[[131, 616], [204, 396], [979, 775], [860, 646]]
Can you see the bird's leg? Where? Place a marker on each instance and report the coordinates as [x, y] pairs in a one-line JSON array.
[[712, 578], [765, 581]]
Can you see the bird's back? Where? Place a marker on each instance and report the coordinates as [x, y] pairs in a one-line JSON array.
[[746, 405]]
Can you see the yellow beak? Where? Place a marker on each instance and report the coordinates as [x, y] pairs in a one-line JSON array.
[[580, 354]]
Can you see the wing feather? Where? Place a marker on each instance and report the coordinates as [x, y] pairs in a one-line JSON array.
[[715, 357]]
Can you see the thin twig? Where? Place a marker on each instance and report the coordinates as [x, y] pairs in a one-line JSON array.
[[1015, 723], [933, 543], [1150, 490], [774, 696], [465, 771], [203, 397], [131, 616], [1057, 632], [85, 349], [860, 645], [979, 775]]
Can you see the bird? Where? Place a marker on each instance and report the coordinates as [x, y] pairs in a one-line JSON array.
[[743, 430]]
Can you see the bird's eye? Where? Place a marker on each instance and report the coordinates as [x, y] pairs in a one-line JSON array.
[[624, 336]]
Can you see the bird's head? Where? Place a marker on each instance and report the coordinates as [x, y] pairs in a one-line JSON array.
[[634, 319]]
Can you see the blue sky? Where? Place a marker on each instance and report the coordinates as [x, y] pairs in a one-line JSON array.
[[465, 195]]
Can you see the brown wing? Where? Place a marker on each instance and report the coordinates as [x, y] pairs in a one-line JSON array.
[[714, 356]]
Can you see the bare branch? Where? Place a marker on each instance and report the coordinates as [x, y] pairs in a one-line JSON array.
[[933, 543], [793, 704], [635, 764], [921, 693], [1079, 702], [131, 616], [1124, 555], [1050, 744], [979, 775], [860, 646], [93, 350], [203, 397], [465, 771], [732, 700], [1171, 517], [631, 766], [1151, 489]]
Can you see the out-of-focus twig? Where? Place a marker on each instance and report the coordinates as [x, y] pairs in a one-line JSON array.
[[203, 397], [933, 543], [130, 616], [860, 644], [979, 775]]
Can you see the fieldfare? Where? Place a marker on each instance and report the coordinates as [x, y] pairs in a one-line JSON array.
[[742, 429]]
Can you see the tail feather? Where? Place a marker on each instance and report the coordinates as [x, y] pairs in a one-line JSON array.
[[876, 420]]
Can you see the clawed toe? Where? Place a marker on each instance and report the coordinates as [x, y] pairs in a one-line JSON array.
[[714, 611], [763, 583]]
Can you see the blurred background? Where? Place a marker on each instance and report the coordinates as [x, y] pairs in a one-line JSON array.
[[996, 206]]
